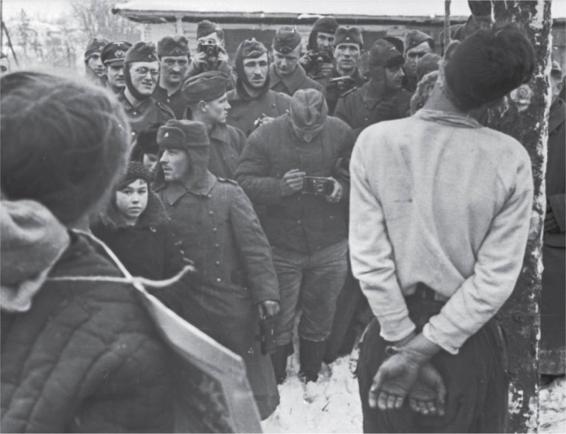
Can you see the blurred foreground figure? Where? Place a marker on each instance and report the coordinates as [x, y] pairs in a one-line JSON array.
[[438, 231], [77, 356]]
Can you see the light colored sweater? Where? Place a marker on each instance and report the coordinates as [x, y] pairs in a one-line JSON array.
[[441, 200]]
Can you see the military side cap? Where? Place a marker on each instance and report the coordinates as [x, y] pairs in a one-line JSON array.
[[286, 39], [206, 86], [205, 28], [141, 52], [173, 46], [416, 37], [182, 134], [250, 48], [114, 52], [350, 35], [95, 46]]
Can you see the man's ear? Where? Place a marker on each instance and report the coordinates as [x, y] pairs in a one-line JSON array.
[[202, 106]]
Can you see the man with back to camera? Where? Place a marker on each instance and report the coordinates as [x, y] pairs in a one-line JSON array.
[[174, 57], [286, 74]]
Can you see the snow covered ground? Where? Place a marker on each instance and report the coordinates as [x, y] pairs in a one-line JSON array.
[[336, 404]]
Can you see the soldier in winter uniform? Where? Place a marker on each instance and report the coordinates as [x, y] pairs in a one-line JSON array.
[[417, 44], [112, 57], [211, 52], [220, 232], [382, 97], [207, 101], [346, 74], [307, 231], [286, 74], [94, 68], [317, 61], [252, 102], [141, 71], [174, 55]]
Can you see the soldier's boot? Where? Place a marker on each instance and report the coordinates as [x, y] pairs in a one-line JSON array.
[[279, 361], [310, 356]]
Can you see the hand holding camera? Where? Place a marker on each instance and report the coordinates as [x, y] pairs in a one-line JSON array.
[[292, 182], [210, 53], [328, 187]]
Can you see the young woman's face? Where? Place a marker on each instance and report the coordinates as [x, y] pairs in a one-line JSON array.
[[131, 200]]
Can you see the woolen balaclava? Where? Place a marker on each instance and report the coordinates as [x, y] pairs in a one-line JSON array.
[[324, 25], [140, 52], [248, 49], [308, 113]]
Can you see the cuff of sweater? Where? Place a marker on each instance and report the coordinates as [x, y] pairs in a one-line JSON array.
[[393, 330], [439, 331]]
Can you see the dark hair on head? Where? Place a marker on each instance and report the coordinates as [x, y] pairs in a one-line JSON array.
[[64, 142], [488, 65]]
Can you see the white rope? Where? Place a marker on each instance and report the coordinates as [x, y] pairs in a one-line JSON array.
[[138, 282]]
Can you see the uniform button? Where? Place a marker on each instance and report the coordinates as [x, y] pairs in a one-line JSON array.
[[210, 195], [299, 222], [134, 113], [218, 279], [214, 229], [217, 262], [217, 245], [211, 212]]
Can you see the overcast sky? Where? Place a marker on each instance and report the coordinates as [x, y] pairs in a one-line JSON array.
[[54, 8]]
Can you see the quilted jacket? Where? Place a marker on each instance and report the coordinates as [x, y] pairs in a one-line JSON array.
[[85, 357]]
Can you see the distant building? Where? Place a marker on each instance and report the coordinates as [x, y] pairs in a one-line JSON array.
[[239, 20]]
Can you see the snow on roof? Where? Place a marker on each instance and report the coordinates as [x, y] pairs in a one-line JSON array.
[[412, 8], [300, 8]]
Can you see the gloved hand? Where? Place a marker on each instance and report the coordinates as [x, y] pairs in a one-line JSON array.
[[337, 192], [268, 308]]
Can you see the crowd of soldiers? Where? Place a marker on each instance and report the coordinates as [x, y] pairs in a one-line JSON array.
[[241, 168], [282, 123], [251, 163]]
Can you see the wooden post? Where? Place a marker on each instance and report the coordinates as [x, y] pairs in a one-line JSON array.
[[446, 35], [520, 316]]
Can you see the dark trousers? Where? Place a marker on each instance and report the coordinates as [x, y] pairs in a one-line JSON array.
[[475, 379]]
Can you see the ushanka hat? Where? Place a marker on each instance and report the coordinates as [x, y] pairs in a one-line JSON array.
[[182, 134], [173, 46]]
